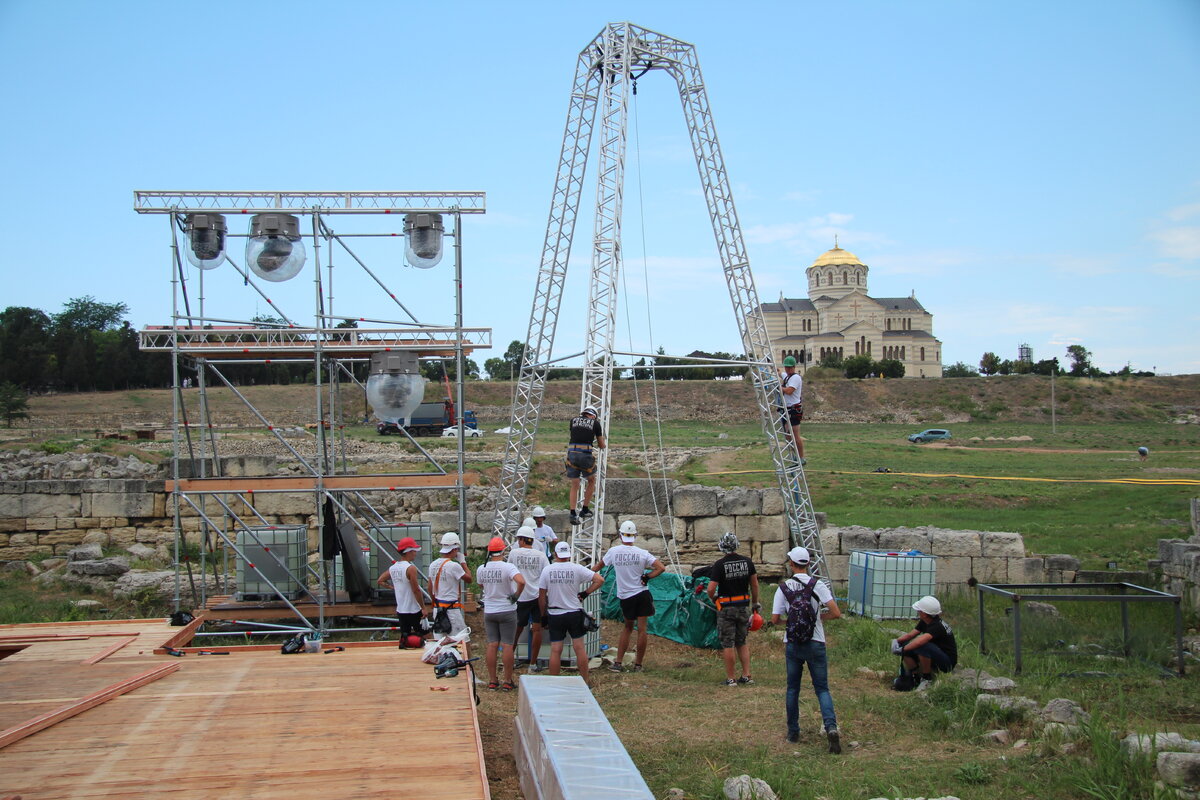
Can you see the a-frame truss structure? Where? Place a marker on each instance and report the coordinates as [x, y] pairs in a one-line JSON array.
[[600, 96]]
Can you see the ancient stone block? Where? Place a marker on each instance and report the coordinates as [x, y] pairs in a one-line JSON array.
[[900, 540], [709, 529], [772, 502], [71, 537], [1028, 570], [11, 505], [12, 553], [16, 524], [1164, 548], [954, 543], [1002, 545], [739, 501], [64, 524], [1061, 562], [838, 567], [953, 571], [990, 570], [637, 495], [440, 521], [481, 521], [50, 505], [757, 529], [122, 537], [12, 487], [694, 501], [117, 565], [831, 543], [856, 537], [773, 553], [22, 538], [41, 523], [277, 503]]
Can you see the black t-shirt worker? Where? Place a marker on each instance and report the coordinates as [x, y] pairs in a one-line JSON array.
[[733, 586], [586, 433]]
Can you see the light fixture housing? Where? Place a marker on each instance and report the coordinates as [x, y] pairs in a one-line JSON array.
[[395, 386], [275, 251], [206, 240], [424, 235]]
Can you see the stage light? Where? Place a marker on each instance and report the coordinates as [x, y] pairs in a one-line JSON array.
[[424, 232], [395, 386], [274, 250], [206, 240]]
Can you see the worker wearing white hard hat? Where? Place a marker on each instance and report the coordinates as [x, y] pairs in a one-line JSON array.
[[801, 601], [530, 560], [446, 578], [630, 564], [586, 435], [543, 534], [927, 649]]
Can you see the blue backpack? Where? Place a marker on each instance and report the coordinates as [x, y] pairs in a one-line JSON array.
[[802, 617]]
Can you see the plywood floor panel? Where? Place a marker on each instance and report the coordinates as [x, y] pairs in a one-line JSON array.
[[248, 725]]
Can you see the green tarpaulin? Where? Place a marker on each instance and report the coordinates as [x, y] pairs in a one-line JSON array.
[[679, 615]]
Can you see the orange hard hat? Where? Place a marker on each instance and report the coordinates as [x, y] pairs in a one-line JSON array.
[[756, 621]]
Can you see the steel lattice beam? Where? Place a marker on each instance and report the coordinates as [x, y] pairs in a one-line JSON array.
[[145, 202]]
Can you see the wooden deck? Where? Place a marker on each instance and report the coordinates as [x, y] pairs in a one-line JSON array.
[[369, 721]]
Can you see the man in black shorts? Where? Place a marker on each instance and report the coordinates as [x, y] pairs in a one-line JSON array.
[[928, 648], [560, 598], [733, 586], [793, 391], [629, 564], [581, 460]]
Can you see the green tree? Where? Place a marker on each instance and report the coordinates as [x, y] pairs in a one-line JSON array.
[[1081, 360], [959, 370], [858, 366], [831, 360], [13, 402], [989, 364], [25, 347], [508, 366], [89, 314], [1047, 366], [890, 368]]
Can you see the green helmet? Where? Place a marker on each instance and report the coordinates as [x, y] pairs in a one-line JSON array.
[[789, 362]]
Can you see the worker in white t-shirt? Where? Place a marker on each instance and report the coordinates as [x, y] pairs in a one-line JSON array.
[[543, 534], [446, 578], [530, 560], [410, 603], [502, 583], [561, 598], [629, 565]]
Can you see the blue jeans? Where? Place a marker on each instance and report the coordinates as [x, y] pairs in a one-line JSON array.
[[813, 654]]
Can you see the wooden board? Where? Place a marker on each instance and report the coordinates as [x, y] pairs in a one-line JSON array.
[[362, 723]]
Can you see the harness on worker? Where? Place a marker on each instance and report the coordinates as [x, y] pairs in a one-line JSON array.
[[740, 599]]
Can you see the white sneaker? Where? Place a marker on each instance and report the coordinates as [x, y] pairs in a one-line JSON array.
[[924, 685]]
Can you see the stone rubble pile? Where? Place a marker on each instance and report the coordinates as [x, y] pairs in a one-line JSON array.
[[30, 465]]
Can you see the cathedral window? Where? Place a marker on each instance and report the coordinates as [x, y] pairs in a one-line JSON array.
[[845, 278], [922, 353]]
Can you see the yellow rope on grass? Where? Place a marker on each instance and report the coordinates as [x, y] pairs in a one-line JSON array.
[[1126, 481]]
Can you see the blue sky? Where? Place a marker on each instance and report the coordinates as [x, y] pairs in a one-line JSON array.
[[1029, 169]]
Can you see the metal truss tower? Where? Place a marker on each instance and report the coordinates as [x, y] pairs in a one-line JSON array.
[[605, 73]]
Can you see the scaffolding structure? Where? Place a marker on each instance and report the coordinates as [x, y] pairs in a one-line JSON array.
[[213, 346], [606, 73]]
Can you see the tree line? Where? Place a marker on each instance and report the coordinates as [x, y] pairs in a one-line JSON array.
[[1080, 366]]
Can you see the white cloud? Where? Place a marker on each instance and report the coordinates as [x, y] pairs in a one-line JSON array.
[[1180, 213], [1083, 266], [924, 263], [1181, 242], [1171, 270]]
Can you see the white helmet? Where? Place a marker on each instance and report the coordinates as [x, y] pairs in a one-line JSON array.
[[628, 529], [589, 410], [525, 532], [929, 605], [451, 539], [538, 511], [528, 523]]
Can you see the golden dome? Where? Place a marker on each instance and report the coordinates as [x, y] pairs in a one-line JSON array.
[[837, 257]]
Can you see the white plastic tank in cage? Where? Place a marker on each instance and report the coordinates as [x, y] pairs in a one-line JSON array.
[[884, 585], [395, 387]]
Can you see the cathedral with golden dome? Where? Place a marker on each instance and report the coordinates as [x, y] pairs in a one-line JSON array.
[[839, 317]]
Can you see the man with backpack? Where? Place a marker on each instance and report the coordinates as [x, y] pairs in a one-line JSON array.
[[801, 600]]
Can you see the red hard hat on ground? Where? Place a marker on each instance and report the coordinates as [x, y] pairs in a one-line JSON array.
[[414, 641], [756, 621]]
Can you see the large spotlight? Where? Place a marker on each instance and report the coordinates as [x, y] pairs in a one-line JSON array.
[[424, 232], [274, 250], [395, 387], [206, 240]]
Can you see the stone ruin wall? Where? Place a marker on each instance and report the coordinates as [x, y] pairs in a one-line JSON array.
[[41, 518]]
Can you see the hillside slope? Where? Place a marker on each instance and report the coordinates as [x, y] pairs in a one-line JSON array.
[[947, 400]]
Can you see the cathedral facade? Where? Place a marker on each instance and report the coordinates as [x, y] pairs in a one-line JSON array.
[[839, 317]]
